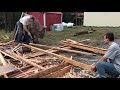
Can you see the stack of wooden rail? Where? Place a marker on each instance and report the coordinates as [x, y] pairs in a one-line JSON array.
[[40, 63], [78, 45]]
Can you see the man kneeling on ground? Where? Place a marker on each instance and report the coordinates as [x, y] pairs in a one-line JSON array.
[[109, 64]]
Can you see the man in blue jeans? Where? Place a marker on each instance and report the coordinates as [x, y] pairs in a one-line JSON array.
[[22, 28], [109, 64], [23, 24]]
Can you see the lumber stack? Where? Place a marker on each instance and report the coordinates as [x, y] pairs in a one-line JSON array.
[[75, 44]]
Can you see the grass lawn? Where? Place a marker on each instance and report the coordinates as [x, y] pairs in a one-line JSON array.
[[4, 36], [52, 38]]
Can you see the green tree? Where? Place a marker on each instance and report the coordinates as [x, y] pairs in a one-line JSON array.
[[9, 19], [68, 17]]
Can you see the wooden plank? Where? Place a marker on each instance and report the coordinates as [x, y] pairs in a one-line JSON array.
[[34, 55], [88, 60], [2, 60], [83, 32], [92, 47], [63, 49], [39, 45], [19, 71], [41, 54], [15, 71], [6, 54], [20, 58], [58, 73], [3, 44], [47, 71], [6, 67], [27, 73], [69, 41], [4, 63], [17, 68], [84, 40], [9, 42], [74, 62], [95, 50]]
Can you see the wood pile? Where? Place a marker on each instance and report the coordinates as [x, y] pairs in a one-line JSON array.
[[40, 63], [74, 44]]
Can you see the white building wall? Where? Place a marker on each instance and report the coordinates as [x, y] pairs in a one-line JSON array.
[[102, 19]]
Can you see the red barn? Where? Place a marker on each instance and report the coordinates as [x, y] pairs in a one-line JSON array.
[[47, 18]]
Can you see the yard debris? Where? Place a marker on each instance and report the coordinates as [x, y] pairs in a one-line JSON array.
[[86, 74], [5, 67], [40, 63], [83, 32], [62, 49], [90, 30], [81, 74], [62, 58]]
